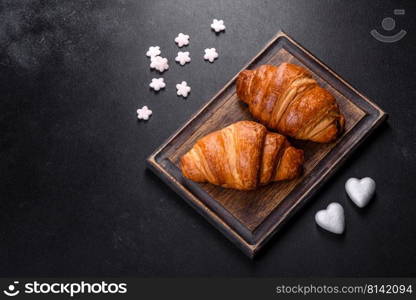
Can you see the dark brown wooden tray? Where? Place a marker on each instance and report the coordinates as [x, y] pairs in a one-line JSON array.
[[249, 219]]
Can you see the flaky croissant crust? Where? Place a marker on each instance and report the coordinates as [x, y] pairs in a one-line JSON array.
[[286, 98], [243, 156]]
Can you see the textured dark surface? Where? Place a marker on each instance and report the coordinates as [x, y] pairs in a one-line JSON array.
[[75, 197]]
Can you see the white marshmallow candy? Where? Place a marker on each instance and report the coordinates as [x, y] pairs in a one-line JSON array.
[[210, 54], [183, 89], [360, 191], [159, 63], [144, 113], [218, 25], [332, 218], [153, 51], [182, 40], [157, 84], [182, 58]]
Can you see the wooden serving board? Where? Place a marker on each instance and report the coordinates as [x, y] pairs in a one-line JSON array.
[[249, 219]]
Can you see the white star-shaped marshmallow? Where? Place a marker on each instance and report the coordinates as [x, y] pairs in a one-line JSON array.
[[183, 58], [159, 63], [182, 39], [157, 84], [210, 54], [183, 89], [144, 113], [153, 51], [218, 25]]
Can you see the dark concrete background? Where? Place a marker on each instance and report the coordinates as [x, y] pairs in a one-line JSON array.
[[75, 196]]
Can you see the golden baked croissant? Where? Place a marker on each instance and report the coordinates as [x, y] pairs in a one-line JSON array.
[[286, 98], [242, 156]]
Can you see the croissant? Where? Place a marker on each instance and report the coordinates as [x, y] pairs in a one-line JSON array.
[[242, 156], [286, 98]]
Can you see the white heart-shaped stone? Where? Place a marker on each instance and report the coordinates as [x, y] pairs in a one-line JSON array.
[[360, 191], [332, 218]]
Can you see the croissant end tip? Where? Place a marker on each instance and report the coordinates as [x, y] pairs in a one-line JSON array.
[[242, 84]]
